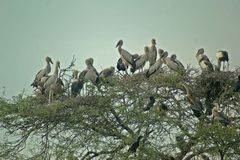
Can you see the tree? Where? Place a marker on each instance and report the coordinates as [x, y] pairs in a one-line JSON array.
[[108, 119]]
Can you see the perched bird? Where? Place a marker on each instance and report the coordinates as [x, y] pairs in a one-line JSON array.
[[133, 148], [150, 104], [203, 61], [237, 86], [126, 57], [172, 63], [141, 60], [42, 73], [173, 57], [157, 67], [121, 66], [107, 72], [152, 53], [195, 104], [51, 82], [219, 116], [91, 73], [222, 57], [76, 84]]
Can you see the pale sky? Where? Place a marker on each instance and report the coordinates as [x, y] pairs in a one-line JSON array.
[[30, 30]]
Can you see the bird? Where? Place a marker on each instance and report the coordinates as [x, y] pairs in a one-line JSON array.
[[195, 104], [173, 57], [120, 65], [127, 58], [91, 73], [219, 116], [141, 60], [150, 104], [237, 85], [172, 63], [222, 57], [157, 67], [203, 61], [76, 84], [42, 73], [152, 53], [51, 82], [107, 72], [133, 148]]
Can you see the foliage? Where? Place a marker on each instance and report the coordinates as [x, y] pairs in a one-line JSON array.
[[103, 122]]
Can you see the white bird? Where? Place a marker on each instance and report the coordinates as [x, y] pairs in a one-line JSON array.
[[107, 72], [42, 73], [203, 61], [91, 73], [127, 58], [172, 63], [157, 67], [51, 82], [76, 84], [152, 53], [141, 60], [222, 56]]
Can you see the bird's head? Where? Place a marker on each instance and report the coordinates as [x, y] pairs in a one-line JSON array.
[[173, 57], [89, 61], [165, 54], [48, 59], [153, 41], [160, 52], [200, 51], [120, 43], [112, 68], [146, 49]]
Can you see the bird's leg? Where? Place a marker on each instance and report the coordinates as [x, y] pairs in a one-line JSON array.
[[49, 96], [224, 66], [227, 66]]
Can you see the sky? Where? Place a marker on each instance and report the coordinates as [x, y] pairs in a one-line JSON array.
[[30, 30]]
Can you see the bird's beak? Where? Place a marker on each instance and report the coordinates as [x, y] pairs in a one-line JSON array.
[[117, 44]]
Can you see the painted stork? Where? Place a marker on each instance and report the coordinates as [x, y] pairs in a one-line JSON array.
[[157, 67], [126, 57], [107, 72], [141, 60], [172, 63], [42, 73], [91, 73], [51, 82], [222, 57], [196, 104], [203, 61], [76, 84], [150, 104], [152, 53], [219, 116]]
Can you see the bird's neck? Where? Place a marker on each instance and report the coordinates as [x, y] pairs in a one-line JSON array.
[[119, 49], [56, 70]]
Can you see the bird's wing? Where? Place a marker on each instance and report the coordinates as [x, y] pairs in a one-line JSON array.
[[127, 57], [140, 62], [82, 74]]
